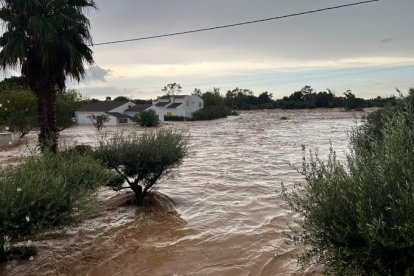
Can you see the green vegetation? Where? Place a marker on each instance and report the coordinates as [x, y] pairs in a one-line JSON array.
[[143, 160], [357, 219], [211, 113], [176, 118], [99, 121], [43, 193], [29, 40], [18, 109], [147, 118], [214, 106]]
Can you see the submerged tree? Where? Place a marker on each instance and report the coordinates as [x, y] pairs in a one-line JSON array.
[[143, 160], [49, 40], [99, 121]]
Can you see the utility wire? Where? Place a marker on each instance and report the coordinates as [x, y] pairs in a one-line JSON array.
[[233, 25]]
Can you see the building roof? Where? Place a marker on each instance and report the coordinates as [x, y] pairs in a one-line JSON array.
[[138, 107], [174, 105], [118, 115], [175, 96], [103, 106], [162, 104]]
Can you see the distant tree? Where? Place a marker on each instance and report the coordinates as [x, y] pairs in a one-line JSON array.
[[18, 111], [143, 160], [197, 92], [212, 98], [264, 98], [121, 99], [172, 89], [99, 121], [50, 41], [13, 83]]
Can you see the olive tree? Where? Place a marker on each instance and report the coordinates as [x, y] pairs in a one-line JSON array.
[[99, 121], [143, 160]]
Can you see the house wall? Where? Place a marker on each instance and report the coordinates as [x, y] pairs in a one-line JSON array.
[[83, 118], [189, 105]]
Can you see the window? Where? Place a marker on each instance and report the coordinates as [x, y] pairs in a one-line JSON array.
[[200, 105], [187, 103], [123, 121]]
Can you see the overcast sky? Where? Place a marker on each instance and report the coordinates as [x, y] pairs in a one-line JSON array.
[[367, 48]]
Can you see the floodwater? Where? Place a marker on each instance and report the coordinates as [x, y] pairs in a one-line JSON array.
[[228, 217]]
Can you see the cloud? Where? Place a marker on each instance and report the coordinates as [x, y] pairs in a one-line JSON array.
[[96, 73], [386, 40]]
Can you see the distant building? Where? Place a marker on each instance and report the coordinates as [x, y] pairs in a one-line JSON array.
[[121, 112], [134, 110], [115, 110], [178, 105]]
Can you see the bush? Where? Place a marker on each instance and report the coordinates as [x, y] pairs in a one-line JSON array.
[[358, 219], [147, 118], [175, 118], [99, 121], [42, 193], [211, 113], [143, 160]]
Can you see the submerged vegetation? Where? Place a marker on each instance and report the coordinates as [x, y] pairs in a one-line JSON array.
[[147, 118], [45, 192], [357, 218], [144, 160]]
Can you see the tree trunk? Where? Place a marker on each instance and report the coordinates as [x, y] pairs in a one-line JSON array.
[[48, 136], [139, 195]]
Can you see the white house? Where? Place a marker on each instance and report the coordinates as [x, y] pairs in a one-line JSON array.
[[115, 110], [178, 105]]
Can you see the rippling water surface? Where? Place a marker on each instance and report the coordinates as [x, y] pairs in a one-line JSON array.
[[226, 192]]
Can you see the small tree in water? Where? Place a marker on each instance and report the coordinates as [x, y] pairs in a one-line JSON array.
[[143, 160], [99, 121]]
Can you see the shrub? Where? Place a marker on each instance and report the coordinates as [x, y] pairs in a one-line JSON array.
[[143, 160], [99, 121], [42, 193], [147, 118], [358, 219], [211, 113], [175, 118]]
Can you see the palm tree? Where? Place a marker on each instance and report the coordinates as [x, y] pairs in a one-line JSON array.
[[49, 40]]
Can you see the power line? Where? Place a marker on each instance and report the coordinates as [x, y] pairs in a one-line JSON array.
[[234, 25]]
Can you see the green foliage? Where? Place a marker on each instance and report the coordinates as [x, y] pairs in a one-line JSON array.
[[99, 121], [211, 113], [18, 111], [212, 98], [13, 83], [43, 192], [143, 160], [147, 118], [31, 31], [357, 219], [176, 118], [121, 99]]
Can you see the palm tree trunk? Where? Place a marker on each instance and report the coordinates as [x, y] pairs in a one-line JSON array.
[[48, 136]]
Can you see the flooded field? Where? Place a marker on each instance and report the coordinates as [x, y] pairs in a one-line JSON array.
[[228, 218]]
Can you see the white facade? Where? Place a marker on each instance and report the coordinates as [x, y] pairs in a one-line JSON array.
[[83, 117], [181, 105]]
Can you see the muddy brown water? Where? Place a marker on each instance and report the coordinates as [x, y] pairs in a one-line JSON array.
[[227, 218]]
